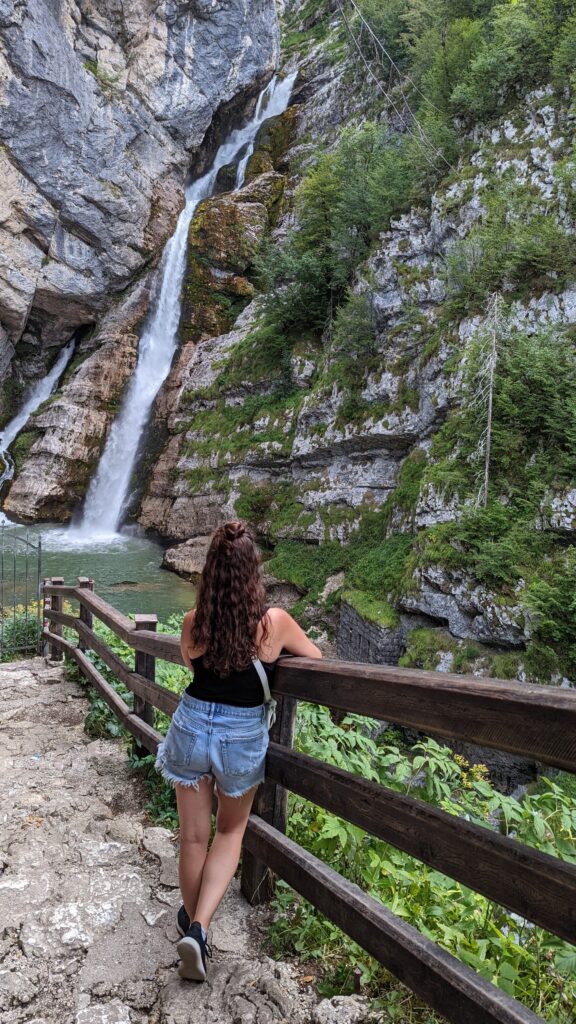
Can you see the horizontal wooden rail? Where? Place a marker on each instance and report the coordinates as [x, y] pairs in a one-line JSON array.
[[538, 722], [162, 698], [146, 735], [165, 646], [448, 986], [531, 721], [534, 885]]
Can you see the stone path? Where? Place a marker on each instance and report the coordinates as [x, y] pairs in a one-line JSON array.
[[88, 889]]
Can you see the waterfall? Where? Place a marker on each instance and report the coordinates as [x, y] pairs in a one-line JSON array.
[[108, 492], [42, 390]]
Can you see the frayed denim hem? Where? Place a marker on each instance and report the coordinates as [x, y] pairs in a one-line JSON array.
[[174, 780], [236, 796]]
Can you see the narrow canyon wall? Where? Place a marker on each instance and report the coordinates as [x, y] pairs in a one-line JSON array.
[[103, 109]]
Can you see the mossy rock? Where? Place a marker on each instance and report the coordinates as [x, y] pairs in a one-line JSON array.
[[227, 232], [11, 397], [380, 612], [21, 447], [273, 141], [210, 302], [267, 189], [224, 238], [225, 179]]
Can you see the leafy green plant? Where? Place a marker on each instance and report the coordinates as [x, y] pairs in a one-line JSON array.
[[19, 632], [102, 722], [515, 246], [523, 960]]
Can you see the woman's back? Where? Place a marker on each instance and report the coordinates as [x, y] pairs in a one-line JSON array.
[[241, 688], [277, 631]]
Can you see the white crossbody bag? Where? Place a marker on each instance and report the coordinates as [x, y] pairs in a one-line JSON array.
[[269, 701]]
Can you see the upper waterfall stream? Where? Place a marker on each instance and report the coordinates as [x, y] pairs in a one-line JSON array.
[[108, 494]]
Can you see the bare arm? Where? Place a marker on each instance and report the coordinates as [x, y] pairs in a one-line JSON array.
[[186, 639], [289, 636]]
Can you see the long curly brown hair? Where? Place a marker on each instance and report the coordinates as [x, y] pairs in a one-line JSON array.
[[231, 600]]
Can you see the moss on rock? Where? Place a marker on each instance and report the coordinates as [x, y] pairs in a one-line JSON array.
[[273, 141], [20, 449], [370, 608], [224, 239]]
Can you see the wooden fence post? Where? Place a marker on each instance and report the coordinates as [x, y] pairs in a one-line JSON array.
[[271, 804], [55, 627], [145, 665], [46, 606], [85, 583]]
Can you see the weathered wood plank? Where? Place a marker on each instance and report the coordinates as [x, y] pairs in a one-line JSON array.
[[535, 885], [70, 592], [147, 689], [147, 736], [450, 987], [56, 605], [85, 583], [119, 706], [144, 666], [62, 618], [164, 646], [533, 721], [163, 699], [119, 623]]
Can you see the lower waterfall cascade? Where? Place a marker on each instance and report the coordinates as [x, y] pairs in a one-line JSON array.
[[39, 393]]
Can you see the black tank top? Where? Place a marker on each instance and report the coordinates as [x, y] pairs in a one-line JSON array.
[[242, 688]]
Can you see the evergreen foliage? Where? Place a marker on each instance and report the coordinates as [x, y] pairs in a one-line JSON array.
[[470, 57], [517, 246]]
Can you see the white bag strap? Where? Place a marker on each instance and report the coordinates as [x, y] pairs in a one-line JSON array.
[[263, 679]]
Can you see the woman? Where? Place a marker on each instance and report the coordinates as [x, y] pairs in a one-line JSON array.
[[218, 734]]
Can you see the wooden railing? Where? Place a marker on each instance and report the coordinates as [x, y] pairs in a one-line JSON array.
[[534, 721]]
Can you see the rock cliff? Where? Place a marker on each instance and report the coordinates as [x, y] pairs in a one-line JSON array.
[[311, 465], [104, 109], [344, 446]]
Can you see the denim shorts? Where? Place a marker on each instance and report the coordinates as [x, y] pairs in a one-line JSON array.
[[216, 741]]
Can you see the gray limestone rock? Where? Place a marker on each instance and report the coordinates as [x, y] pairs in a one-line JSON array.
[[187, 559], [103, 106], [343, 1010], [470, 610]]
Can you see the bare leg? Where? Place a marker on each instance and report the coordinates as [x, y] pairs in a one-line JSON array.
[[222, 860], [195, 814]]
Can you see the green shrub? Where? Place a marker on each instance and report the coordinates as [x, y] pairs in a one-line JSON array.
[[552, 598], [484, 936], [564, 56], [380, 572], [515, 246], [19, 635]]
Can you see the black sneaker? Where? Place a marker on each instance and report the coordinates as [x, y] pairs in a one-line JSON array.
[[182, 920], [193, 950]]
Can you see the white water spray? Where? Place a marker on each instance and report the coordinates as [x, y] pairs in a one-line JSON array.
[[107, 495], [40, 392]]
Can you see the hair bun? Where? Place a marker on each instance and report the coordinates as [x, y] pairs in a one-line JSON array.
[[234, 530]]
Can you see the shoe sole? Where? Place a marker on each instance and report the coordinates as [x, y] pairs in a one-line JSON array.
[[191, 967], [180, 930]]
